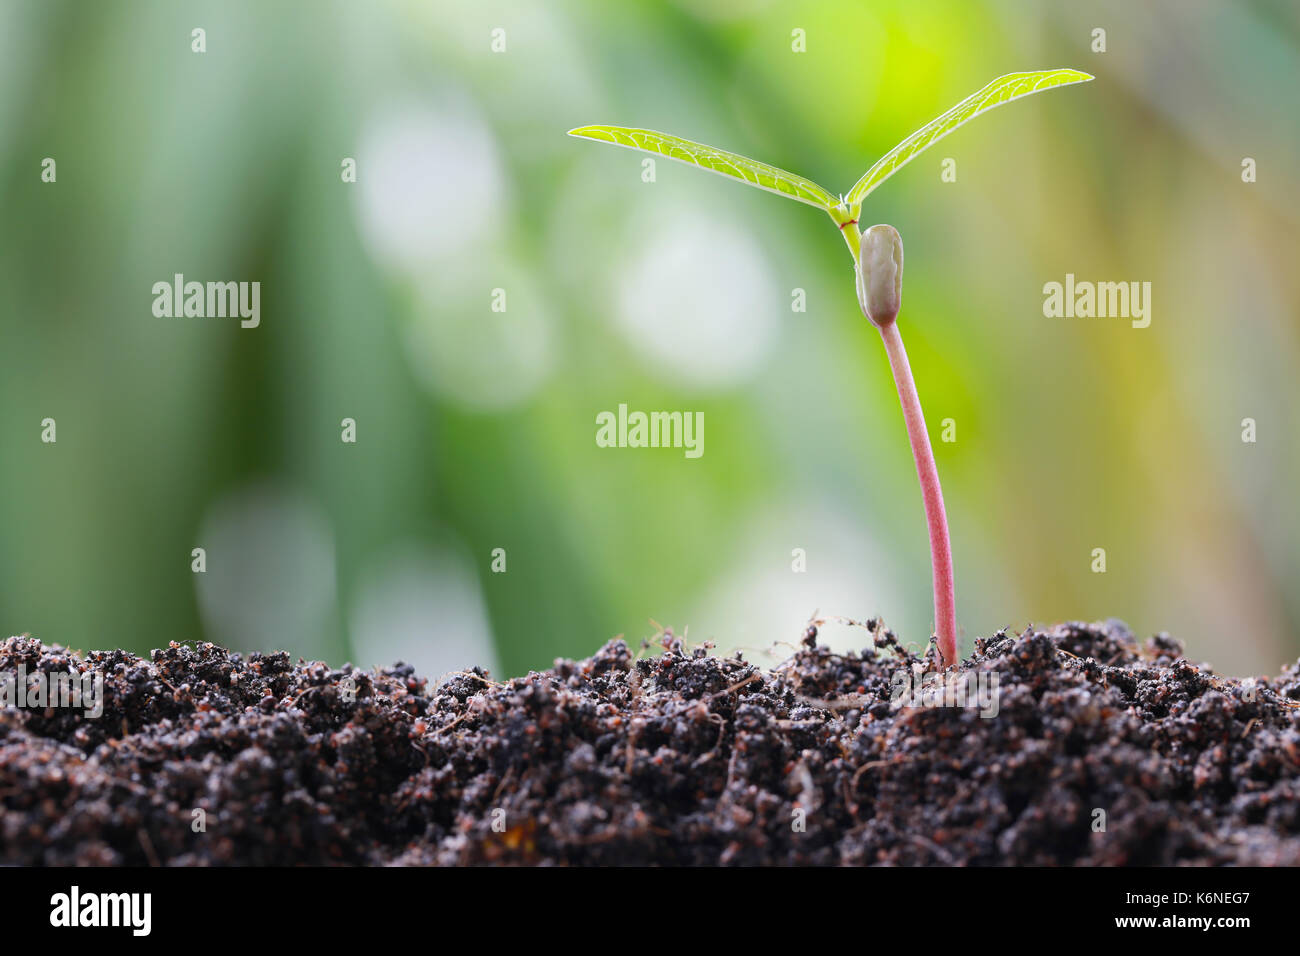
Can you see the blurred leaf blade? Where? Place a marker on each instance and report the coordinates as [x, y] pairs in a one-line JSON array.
[[1004, 89], [749, 171]]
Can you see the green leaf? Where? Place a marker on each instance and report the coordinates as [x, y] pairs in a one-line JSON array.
[[749, 171], [1002, 90]]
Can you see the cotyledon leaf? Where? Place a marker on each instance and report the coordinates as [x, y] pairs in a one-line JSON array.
[[747, 170], [1002, 90]]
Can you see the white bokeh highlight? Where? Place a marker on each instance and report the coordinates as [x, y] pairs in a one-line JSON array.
[[761, 606], [430, 183], [422, 605], [464, 352], [697, 303], [270, 579]]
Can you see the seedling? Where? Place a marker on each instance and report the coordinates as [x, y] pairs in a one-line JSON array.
[[878, 268]]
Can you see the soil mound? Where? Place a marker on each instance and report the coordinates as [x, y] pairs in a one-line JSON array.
[[1100, 753]]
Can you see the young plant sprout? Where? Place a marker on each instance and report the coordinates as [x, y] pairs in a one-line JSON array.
[[878, 267]]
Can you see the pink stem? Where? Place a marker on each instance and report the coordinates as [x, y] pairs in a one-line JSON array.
[[945, 603]]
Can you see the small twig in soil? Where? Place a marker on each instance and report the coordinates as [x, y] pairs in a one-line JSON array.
[[490, 683], [301, 694], [844, 702], [454, 722], [797, 724], [148, 847], [735, 687], [934, 848]]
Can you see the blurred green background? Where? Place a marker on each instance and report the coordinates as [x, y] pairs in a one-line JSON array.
[[476, 428]]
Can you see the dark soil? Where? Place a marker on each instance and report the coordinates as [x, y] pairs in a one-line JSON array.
[[677, 758]]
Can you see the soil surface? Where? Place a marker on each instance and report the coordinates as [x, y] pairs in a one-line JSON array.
[[1100, 753]]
